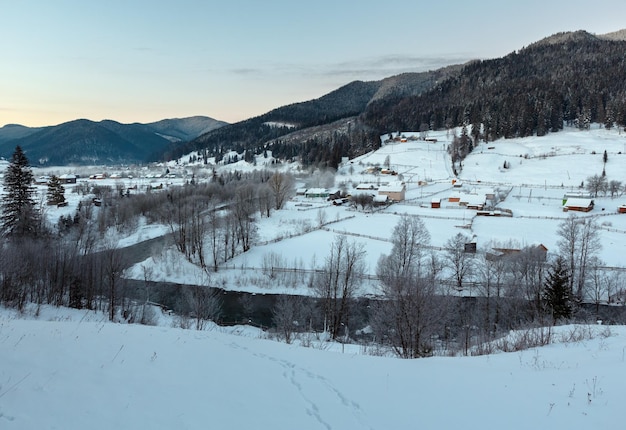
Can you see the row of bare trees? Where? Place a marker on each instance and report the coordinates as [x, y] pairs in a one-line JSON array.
[[76, 263], [430, 298]]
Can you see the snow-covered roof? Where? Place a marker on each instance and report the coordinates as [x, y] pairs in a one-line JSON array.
[[473, 198], [366, 187], [397, 187], [578, 202], [317, 191]]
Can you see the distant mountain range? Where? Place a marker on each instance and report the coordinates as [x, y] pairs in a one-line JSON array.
[[105, 142]]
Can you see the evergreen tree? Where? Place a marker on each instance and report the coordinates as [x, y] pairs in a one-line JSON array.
[[19, 213], [557, 294], [56, 191]]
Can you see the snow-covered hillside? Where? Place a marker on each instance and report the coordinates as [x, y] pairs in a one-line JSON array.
[[78, 372]]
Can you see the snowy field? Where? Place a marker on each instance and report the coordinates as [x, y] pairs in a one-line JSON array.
[[541, 170], [71, 370]]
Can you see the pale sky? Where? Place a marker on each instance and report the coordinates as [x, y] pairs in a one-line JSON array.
[[146, 60]]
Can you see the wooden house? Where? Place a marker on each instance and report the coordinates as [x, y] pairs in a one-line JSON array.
[[316, 192], [67, 179], [578, 204], [395, 191]]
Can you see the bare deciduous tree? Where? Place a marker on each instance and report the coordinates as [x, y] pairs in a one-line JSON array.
[[204, 304], [338, 281], [281, 185], [578, 243], [410, 311], [459, 262], [287, 315]]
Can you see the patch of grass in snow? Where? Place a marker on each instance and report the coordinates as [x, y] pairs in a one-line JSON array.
[[520, 340]]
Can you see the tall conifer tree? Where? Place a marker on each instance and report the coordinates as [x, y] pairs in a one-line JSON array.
[[19, 213], [557, 294]]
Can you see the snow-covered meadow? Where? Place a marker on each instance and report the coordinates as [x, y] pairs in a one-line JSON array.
[[73, 370]]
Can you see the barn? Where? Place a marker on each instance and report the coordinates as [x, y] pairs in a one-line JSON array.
[[578, 204]]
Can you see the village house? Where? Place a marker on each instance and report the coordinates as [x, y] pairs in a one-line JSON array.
[[316, 192], [395, 192], [578, 204], [366, 187], [497, 253], [567, 196], [67, 178], [380, 200]]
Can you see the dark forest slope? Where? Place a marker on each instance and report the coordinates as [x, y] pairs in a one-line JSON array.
[[577, 78]]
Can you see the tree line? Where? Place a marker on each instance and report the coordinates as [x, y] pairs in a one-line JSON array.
[[457, 299], [76, 263]]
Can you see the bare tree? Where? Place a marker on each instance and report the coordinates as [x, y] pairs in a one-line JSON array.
[[204, 304], [281, 185], [338, 281], [287, 315], [112, 268], [243, 209], [494, 273], [615, 188], [529, 271], [266, 200], [578, 243], [597, 184], [409, 312], [589, 248], [459, 261], [214, 225]]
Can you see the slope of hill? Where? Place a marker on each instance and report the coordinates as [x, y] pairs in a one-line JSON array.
[[16, 131], [75, 371], [185, 129], [576, 78], [308, 118], [88, 142]]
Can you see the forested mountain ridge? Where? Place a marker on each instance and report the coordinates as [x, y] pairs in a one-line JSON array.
[[318, 131], [83, 141], [576, 78]]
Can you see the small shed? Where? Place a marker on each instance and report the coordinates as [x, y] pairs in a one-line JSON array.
[[435, 203], [578, 204], [380, 200], [474, 201], [621, 209], [67, 179], [454, 198]]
